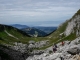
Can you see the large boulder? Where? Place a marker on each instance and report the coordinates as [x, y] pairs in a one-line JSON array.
[[74, 50], [10, 54]]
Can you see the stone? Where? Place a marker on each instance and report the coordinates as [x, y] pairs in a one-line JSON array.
[[74, 51], [10, 54]]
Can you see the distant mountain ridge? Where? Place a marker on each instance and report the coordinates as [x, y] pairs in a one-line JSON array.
[[32, 31], [48, 30], [42, 31], [19, 26]]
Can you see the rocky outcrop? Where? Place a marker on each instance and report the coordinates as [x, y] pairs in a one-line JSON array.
[[74, 51], [10, 54], [70, 28], [73, 25], [66, 52], [20, 47], [37, 52], [29, 49], [75, 57], [18, 51], [40, 44]]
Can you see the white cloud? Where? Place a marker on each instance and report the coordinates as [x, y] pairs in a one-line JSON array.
[[48, 25], [21, 13], [37, 10]]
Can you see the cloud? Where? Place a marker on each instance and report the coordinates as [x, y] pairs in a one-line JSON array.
[[30, 4], [21, 13], [51, 11], [37, 10], [47, 25]]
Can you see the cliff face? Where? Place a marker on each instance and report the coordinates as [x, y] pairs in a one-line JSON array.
[[73, 26]]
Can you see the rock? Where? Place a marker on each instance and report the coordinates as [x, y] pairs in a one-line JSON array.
[[75, 57], [31, 42], [73, 26], [20, 47], [74, 51], [37, 52], [58, 59], [10, 54], [39, 44]]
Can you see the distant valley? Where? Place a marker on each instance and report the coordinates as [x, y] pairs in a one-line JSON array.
[[46, 29], [40, 31]]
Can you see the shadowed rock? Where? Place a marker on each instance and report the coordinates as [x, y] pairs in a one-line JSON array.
[[74, 51], [10, 54]]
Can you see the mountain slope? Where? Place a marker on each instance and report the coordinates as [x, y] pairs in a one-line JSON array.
[[48, 30], [33, 31], [9, 34], [19, 26], [69, 30]]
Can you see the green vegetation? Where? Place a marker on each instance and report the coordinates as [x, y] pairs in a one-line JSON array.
[[71, 37], [56, 35], [16, 35], [9, 35], [20, 36]]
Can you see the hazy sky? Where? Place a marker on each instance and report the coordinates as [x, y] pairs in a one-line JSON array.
[[37, 12]]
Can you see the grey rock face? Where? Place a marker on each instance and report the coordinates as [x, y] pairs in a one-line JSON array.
[[20, 47], [73, 26], [19, 51], [9, 54], [67, 51], [37, 52], [74, 51], [39, 44]]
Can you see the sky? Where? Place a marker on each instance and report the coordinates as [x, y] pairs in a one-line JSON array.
[[37, 12]]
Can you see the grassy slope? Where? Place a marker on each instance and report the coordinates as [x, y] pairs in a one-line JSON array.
[[22, 36], [5, 38]]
